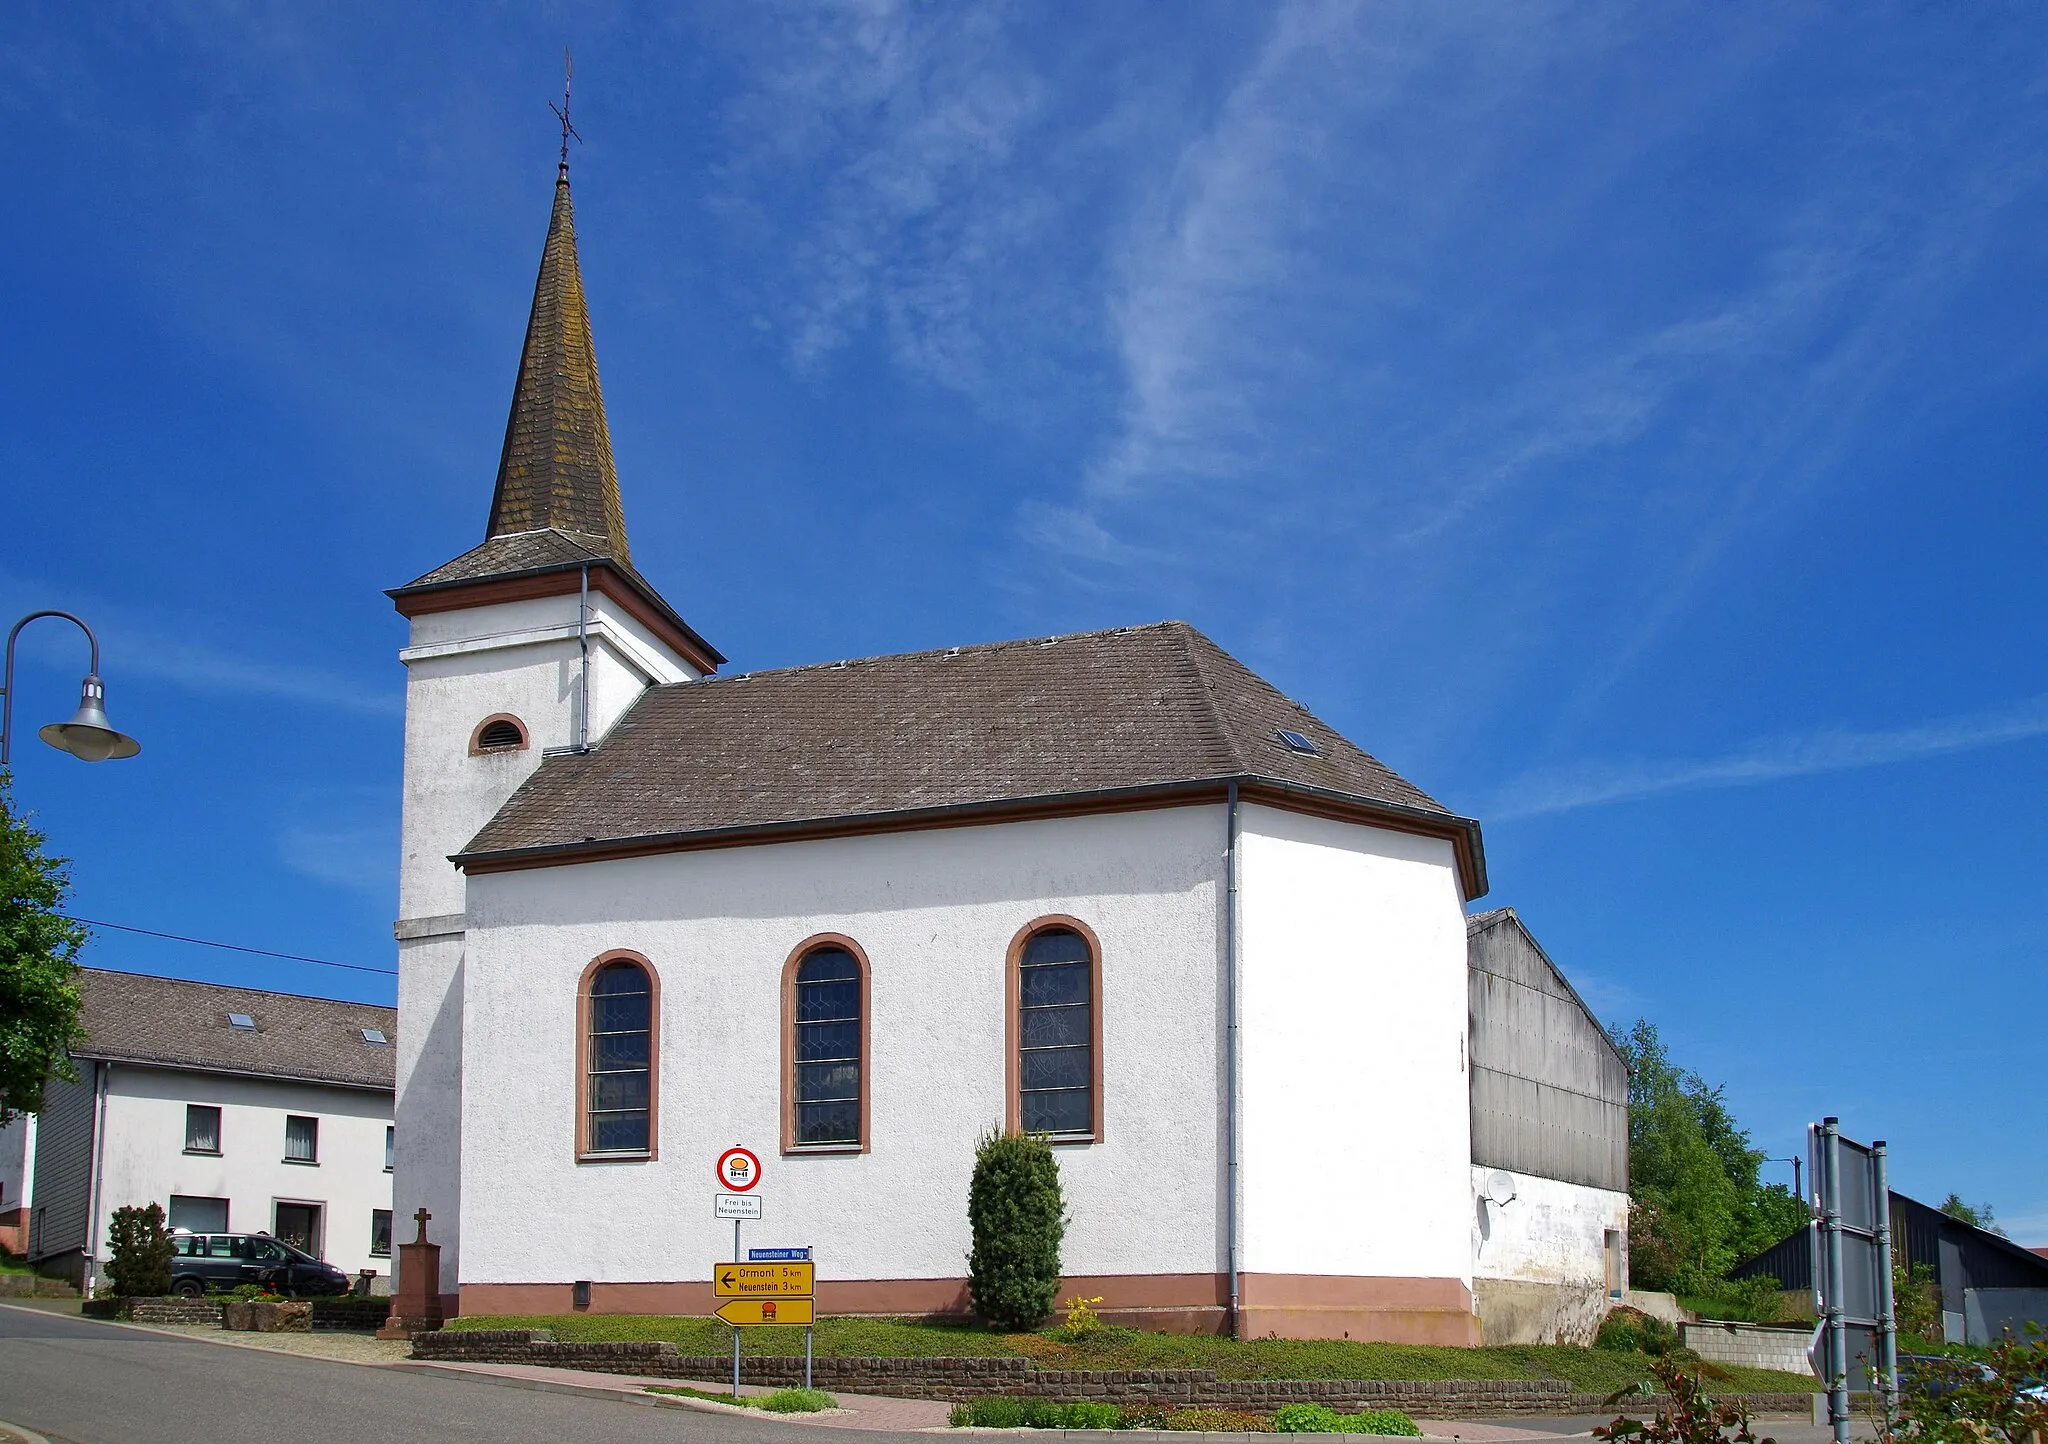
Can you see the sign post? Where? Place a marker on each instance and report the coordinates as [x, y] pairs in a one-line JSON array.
[[739, 1169], [771, 1286]]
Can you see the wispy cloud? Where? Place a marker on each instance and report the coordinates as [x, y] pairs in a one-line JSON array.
[[347, 838], [1834, 750], [163, 647]]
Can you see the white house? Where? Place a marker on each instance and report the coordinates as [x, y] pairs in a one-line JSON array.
[[17, 1180], [1112, 887], [237, 1110]]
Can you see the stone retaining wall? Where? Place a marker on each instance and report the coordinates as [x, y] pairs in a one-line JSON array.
[[154, 1311], [1750, 1346], [957, 1379]]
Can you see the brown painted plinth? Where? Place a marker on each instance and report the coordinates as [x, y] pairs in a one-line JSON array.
[[416, 1304]]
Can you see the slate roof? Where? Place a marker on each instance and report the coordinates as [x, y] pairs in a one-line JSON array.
[[556, 469], [1107, 712], [136, 1018]]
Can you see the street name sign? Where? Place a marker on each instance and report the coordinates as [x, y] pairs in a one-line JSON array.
[[792, 1280], [737, 1205], [777, 1255], [743, 1313]]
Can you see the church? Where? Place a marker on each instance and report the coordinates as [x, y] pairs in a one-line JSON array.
[[1110, 887]]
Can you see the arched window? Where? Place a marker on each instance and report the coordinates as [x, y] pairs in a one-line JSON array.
[[1056, 1030], [501, 733], [618, 1049], [825, 1045]]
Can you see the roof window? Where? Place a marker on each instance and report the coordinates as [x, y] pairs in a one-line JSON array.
[[1297, 742], [375, 1037], [241, 1020]]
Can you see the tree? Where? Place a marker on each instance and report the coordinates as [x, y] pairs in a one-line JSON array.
[[1977, 1215], [1018, 1217], [38, 964], [1697, 1206], [139, 1252]]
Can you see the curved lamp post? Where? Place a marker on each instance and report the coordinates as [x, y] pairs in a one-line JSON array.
[[88, 736]]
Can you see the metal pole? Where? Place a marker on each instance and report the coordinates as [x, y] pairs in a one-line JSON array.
[[1887, 1318], [1231, 1225], [736, 1328], [1831, 1223], [7, 683], [807, 1356]]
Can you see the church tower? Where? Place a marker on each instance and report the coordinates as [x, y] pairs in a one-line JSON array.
[[537, 640]]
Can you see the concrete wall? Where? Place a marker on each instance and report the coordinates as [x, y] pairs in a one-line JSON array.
[[1748, 1346], [1356, 1149], [935, 913], [1541, 1264], [1988, 1314], [143, 1157]]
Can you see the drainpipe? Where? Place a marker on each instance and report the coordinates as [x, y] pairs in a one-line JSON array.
[[100, 1072], [583, 646], [1230, 1066]]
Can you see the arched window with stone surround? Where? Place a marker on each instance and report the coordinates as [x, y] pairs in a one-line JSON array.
[[825, 1046], [1055, 1030], [618, 1055]]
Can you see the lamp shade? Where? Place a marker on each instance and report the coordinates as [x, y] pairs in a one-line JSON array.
[[88, 736]]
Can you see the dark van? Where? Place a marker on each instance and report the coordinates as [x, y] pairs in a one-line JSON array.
[[216, 1262]]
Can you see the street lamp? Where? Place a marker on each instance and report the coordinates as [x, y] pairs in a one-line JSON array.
[[88, 736]]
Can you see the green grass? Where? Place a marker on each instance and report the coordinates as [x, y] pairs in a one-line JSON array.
[[782, 1401], [9, 1264], [1593, 1371]]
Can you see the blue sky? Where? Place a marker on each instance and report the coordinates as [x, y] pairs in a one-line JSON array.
[[1626, 421]]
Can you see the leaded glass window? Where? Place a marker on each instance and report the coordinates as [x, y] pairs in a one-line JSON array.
[[828, 1057], [1056, 1034], [620, 1059]]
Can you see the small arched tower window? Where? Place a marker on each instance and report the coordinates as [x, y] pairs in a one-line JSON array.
[[502, 733], [618, 1057], [825, 996], [1056, 1031]]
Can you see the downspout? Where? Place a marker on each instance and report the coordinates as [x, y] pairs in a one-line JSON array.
[[1230, 1066], [100, 1072], [583, 646]]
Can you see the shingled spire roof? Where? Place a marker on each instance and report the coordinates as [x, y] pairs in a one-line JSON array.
[[557, 470]]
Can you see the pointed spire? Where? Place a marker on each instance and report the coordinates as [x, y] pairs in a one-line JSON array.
[[557, 468]]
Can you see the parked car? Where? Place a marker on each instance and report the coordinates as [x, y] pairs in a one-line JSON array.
[[215, 1262]]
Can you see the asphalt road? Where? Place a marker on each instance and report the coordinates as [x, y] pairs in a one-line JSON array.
[[77, 1381]]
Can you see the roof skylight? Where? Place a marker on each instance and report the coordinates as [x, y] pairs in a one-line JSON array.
[[241, 1020], [375, 1037], [1297, 742]]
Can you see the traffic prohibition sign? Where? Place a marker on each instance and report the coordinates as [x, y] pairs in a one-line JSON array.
[[738, 1169]]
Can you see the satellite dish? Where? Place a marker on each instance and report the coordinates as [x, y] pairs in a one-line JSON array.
[[1500, 1188]]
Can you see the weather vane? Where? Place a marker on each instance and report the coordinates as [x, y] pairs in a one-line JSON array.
[[562, 111]]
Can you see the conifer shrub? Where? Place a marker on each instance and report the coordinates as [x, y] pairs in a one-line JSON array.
[[139, 1252], [1017, 1218]]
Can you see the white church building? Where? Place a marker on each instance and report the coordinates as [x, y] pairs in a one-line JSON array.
[[1112, 887]]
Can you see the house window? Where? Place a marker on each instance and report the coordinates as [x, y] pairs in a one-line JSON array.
[[618, 1056], [202, 1130], [1056, 1031], [825, 1035], [390, 1144], [502, 733], [380, 1233], [301, 1139], [198, 1215]]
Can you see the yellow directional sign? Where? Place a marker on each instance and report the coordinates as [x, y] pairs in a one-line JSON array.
[[792, 1280], [741, 1313]]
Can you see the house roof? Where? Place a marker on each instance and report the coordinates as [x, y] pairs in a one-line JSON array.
[[167, 1022], [1092, 715]]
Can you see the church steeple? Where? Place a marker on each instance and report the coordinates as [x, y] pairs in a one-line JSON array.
[[556, 470]]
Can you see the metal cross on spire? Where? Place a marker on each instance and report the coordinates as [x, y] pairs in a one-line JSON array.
[[562, 113]]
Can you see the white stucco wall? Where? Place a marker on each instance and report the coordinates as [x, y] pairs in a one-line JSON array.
[[462, 666], [142, 1155], [1356, 1112], [1552, 1233], [935, 913], [520, 658]]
